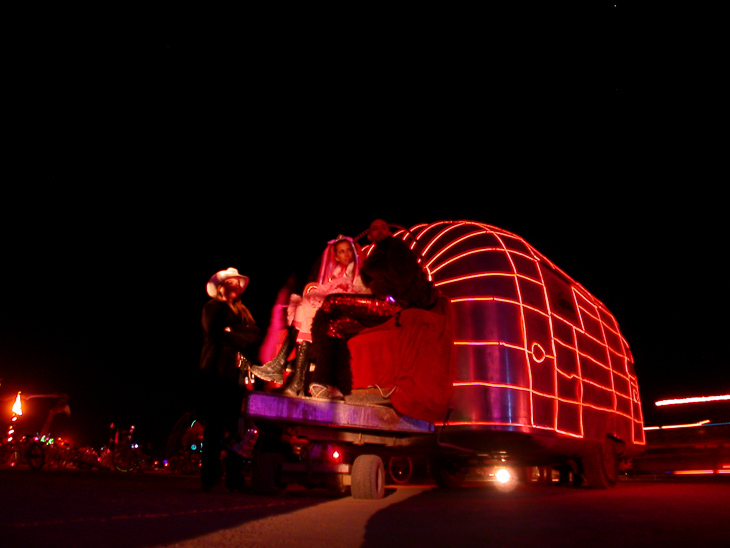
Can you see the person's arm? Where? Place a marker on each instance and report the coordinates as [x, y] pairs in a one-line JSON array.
[[241, 336], [215, 323]]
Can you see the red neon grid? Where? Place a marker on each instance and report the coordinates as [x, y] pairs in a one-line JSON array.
[[533, 348]]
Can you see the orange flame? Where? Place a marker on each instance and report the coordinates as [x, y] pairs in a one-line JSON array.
[[17, 407]]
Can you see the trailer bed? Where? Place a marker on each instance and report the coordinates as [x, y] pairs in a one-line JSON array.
[[332, 414]]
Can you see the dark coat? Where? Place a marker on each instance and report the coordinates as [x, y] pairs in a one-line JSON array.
[[220, 397], [220, 347]]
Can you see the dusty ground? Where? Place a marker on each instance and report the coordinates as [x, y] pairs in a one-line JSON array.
[[83, 509]]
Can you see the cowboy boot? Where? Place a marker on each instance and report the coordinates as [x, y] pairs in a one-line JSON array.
[[295, 381], [274, 370]]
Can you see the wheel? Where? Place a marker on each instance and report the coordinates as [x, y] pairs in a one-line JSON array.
[[400, 469], [600, 468], [35, 456], [446, 473], [125, 459], [368, 477]]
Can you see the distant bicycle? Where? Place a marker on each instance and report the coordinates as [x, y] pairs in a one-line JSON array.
[[26, 450], [59, 453]]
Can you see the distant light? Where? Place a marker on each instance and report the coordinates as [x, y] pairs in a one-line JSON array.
[[669, 427], [701, 399], [17, 406], [503, 475], [693, 472]]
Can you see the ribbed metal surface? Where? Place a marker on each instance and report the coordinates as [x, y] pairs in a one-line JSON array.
[[534, 351]]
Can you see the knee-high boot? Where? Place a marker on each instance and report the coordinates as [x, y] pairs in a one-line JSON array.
[[295, 381], [274, 370]]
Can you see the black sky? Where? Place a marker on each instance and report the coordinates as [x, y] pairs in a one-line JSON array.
[[143, 161]]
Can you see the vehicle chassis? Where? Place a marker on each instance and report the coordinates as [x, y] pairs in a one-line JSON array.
[[298, 434]]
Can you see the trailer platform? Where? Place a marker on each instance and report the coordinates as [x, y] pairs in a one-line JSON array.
[[332, 413], [360, 434]]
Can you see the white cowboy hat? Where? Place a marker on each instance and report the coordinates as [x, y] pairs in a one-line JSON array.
[[219, 277]]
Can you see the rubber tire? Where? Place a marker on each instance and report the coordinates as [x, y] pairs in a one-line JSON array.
[[368, 477], [600, 468], [124, 460]]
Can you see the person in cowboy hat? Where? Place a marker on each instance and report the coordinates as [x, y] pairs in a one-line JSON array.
[[229, 331]]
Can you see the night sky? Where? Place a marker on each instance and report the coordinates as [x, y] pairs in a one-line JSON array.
[[145, 159]]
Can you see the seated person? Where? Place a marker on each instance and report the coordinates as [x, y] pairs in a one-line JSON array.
[[338, 273], [397, 283]]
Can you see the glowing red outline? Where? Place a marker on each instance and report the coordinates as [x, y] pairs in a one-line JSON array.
[[673, 426], [594, 321]]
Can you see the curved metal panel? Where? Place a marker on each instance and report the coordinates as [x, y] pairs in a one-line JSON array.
[[534, 350]]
